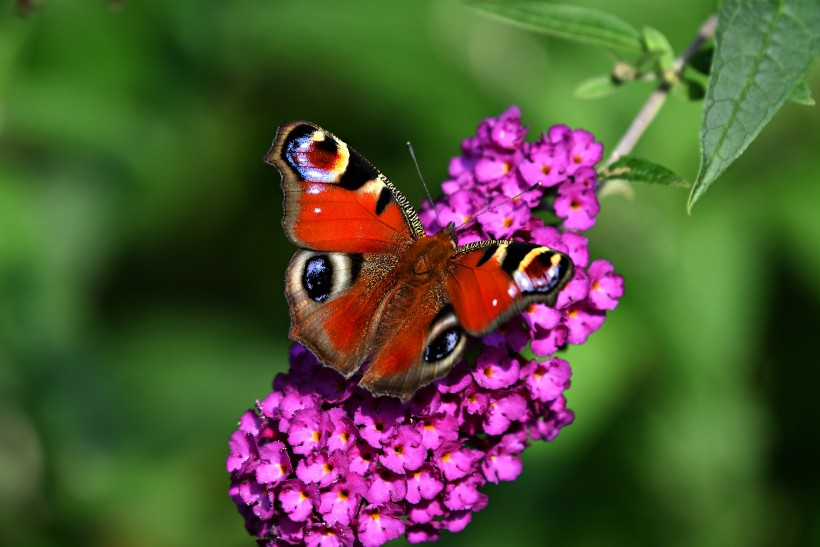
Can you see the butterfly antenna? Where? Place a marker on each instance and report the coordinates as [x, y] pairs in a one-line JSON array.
[[500, 203], [426, 189]]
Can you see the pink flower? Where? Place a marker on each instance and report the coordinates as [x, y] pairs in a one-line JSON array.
[[321, 468], [496, 369], [329, 536], [546, 380], [274, 464], [577, 203], [298, 499], [404, 451], [340, 503], [606, 287], [379, 524]]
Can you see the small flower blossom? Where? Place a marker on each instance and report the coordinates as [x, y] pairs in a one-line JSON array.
[[404, 452], [385, 485], [274, 463], [437, 429], [423, 484], [321, 462], [577, 203], [298, 499], [340, 503], [503, 462], [606, 287], [503, 411], [546, 380], [379, 524], [496, 369], [321, 468], [329, 536]]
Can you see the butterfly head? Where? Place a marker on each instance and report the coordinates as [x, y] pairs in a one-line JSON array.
[[450, 230]]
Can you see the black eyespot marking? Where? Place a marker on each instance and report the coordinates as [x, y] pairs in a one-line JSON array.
[[385, 197], [358, 172], [293, 145], [328, 145], [317, 278], [443, 345], [488, 254], [297, 134], [516, 252]]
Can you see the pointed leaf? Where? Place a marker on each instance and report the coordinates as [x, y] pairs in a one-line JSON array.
[[596, 87], [632, 169], [764, 49], [801, 94], [569, 22], [656, 41]]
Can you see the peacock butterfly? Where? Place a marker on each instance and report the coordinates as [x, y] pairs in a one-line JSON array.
[[369, 285]]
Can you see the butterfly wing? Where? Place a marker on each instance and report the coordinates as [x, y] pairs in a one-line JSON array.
[[335, 200], [490, 281], [335, 300]]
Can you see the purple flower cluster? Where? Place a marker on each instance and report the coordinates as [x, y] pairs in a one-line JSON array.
[[321, 462]]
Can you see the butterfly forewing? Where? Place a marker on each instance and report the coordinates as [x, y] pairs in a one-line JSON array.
[[492, 280], [335, 200]]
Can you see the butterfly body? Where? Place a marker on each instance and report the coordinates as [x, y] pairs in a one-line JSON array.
[[370, 286]]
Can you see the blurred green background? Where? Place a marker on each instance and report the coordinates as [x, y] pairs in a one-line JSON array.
[[142, 261]]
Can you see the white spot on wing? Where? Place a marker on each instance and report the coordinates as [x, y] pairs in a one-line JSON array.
[[523, 281]]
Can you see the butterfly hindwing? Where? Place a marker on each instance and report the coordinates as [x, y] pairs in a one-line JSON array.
[[335, 200], [426, 344], [490, 281], [335, 299]]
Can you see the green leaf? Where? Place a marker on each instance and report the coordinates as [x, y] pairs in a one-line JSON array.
[[596, 87], [632, 169], [583, 25], [764, 48], [801, 94], [656, 41]]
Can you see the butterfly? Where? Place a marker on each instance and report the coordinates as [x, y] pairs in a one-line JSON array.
[[368, 285]]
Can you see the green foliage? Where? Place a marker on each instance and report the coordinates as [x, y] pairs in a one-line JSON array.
[[657, 43], [575, 23], [629, 169], [596, 87], [763, 51]]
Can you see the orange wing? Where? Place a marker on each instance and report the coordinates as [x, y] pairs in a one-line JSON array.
[[490, 281], [335, 200]]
